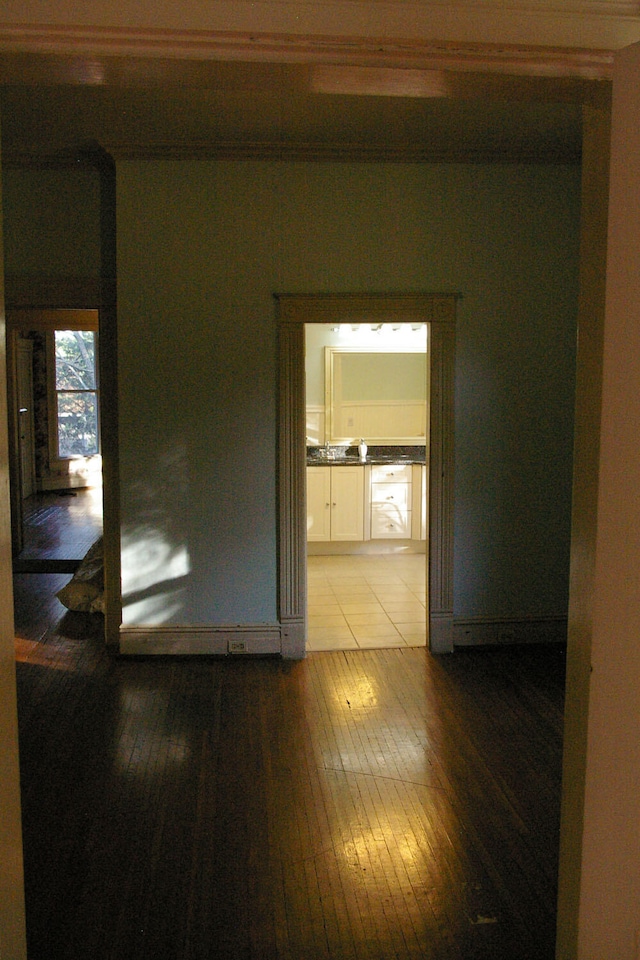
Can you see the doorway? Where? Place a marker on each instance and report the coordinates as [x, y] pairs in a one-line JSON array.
[[437, 310], [55, 458], [367, 524], [23, 412]]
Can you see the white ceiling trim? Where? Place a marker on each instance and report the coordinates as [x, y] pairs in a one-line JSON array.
[[84, 43], [191, 25]]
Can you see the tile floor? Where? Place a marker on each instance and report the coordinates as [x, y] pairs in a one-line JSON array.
[[366, 602]]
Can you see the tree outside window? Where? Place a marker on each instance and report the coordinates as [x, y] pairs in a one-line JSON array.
[[77, 393]]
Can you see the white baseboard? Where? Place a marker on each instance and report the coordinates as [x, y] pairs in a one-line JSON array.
[[237, 640], [233, 640], [476, 631]]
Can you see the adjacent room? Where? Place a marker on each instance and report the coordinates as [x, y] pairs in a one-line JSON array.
[[367, 524]]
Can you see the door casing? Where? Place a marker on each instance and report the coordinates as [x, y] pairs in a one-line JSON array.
[[294, 311]]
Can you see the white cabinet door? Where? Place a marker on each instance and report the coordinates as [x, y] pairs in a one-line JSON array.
[[335, 503], [318, 503], [347, 503]]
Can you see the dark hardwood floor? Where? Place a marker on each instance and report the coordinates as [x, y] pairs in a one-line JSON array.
[[58, 529], [361, 804]]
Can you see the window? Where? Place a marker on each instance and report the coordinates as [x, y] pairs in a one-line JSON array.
[[76, 388]]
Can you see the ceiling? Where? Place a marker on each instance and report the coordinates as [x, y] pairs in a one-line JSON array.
[[52, 106]]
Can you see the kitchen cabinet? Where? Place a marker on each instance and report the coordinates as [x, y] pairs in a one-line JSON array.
[[373, 502], [335, 503], [391, 501]]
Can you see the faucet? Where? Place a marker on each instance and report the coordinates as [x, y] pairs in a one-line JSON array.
[[329, 452]]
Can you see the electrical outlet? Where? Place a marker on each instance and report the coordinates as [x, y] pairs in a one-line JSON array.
[[237, 646]]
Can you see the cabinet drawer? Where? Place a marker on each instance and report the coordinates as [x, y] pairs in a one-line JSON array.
[[391, 473], [388, 523], [396, 493]]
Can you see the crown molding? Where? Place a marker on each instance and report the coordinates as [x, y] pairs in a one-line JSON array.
[[609, 24], [85, 46]]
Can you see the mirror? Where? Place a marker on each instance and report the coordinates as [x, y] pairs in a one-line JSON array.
[[377, 395]]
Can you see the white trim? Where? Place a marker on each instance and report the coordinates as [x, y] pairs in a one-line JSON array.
[[211, 640], [294, 311], [518, 38]]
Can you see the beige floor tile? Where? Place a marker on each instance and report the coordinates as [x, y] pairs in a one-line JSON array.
[[377, 643], [329, 633], [375, 630], [326, 595], [413, 631], [394, 594], [327, 620], [349, 607], [385, 579], [324, 609], [366, 619], [347, 581], [315, 645], [381, 597], [405, 612], [359, 590]]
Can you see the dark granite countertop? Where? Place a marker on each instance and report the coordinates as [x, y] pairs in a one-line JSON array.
[[348, 456]]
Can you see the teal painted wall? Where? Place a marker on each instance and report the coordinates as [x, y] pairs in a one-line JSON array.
[[52, 226], [202, 247]]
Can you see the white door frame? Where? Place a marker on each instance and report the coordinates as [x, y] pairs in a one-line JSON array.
[[439, 311]]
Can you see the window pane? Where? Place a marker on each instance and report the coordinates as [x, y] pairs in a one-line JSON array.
[[77, 424], [75, 360]]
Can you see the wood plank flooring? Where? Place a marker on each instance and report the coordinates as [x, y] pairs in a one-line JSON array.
[[358, 805], [58, 529]]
